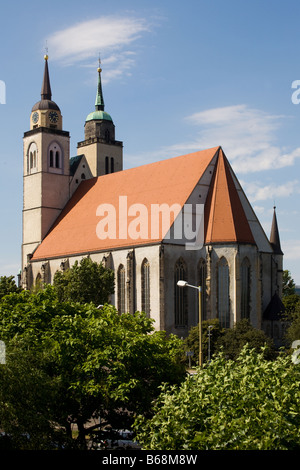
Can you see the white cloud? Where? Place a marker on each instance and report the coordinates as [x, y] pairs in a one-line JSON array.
[[247, 135], [110, 36], [257, 192]]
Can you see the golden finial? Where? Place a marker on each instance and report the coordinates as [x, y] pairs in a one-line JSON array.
[[46, 55], [99, 68]]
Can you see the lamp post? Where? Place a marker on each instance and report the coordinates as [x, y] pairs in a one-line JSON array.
[[185, 284], [209, 335]]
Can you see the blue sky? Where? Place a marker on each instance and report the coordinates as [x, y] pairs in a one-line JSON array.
[[177, 77]]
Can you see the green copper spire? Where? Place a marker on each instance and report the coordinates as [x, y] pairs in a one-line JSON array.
[[99, 113], [99, 103]]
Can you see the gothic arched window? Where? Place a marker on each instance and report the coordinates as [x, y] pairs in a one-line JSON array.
[[55, 159], [245, 288], [121, 289], [181, 312], [145, 286], [32, 158], [223, 293]]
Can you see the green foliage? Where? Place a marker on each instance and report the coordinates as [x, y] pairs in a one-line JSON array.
[[290, 302], [7, 286], [85, 282], [293, 331], [234, 339], [247, 404], [288, 287], [92, 361], [191, 343], [229, 340], [27, 403]]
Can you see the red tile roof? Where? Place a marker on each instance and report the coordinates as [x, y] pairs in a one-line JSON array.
[[167, 181], [225, 219]]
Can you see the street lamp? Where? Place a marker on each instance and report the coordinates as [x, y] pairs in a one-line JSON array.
[[209, 335], [185, 284]]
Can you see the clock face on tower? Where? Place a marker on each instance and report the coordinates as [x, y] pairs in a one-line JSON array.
[[53, 116], [35, 117]]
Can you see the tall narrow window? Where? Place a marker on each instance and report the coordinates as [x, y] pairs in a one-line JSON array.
[[55, 160], [180, 273], [245, 288], [106, 166], [121, 289], [112, 165], [145, 285], [223, 293], [32, 158], [202, 283]]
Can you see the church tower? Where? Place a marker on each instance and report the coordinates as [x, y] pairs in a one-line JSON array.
[[103, 153], [45, 169]]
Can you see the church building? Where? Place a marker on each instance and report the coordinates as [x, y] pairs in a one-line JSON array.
[[184, 218]]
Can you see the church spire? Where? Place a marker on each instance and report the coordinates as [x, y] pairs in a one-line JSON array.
[[46, 88], [274, 236], [99, 103], [99, 114]]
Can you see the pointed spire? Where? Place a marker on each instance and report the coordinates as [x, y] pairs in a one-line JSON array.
[[224, 215], [274, 236], [99, 114], [99, 103], [46, 88]]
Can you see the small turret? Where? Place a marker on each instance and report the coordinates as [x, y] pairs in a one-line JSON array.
[[274, 235]]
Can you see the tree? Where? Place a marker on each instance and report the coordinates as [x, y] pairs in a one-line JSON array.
[[247, 404], [85, 282], [242, 333], [191, 343], [289, 286], [293, 330], [290, 303], [229, 340], [94, 361], [7, 285], [27, 404]]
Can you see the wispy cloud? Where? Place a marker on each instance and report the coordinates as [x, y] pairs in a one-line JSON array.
[[110, 36], [262, 192], [247, 135]]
